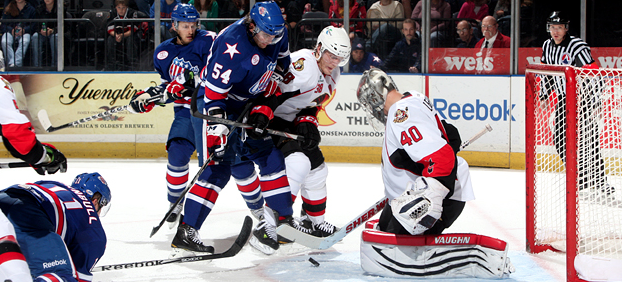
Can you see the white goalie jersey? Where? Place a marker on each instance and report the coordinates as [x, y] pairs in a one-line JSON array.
[[414, 144], [305, 75]]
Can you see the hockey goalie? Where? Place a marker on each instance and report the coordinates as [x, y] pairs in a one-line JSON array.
[[419, 169]]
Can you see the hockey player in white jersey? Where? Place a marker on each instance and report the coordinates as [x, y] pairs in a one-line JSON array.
[[309, 80], [419, 169]]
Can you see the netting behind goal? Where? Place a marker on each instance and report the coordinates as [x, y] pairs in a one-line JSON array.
[[573, 161]]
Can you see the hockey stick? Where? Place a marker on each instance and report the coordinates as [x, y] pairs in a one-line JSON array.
[[476, 136], [240, 241], [322, 243], [205, 164], [197, 114], [44, 119], [14, 165]]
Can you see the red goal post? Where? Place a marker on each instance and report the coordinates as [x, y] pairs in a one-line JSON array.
[[571, 206]]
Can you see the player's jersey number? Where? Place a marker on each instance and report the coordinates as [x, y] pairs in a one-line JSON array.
[[410, 136], [216, 73]]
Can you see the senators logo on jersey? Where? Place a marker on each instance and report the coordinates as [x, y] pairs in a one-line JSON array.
[[299, 64], [401, 115]]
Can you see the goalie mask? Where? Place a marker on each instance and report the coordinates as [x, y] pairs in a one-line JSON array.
[[372, 93]]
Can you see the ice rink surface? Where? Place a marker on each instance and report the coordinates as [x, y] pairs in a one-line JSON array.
[[139, 203]]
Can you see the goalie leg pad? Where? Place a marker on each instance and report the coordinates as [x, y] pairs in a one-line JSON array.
[[420, 206], [434, 256]]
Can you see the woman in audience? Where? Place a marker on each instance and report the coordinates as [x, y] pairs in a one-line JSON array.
[[16, 31]]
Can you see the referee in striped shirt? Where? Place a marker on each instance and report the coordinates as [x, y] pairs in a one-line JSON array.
[[562, 49]]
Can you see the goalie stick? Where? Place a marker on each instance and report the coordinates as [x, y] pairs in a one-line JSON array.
[[197, 114], [44, 119], [322, 243], [476, 136], [240, 241]]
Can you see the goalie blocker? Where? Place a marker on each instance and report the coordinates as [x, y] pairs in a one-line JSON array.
[[457, 255]]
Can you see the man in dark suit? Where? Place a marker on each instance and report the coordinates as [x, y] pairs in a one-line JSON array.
[[492, 37]]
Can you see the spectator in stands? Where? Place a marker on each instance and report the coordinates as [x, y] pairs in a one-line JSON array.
[[474, 9], [384, 35], [467, 38], [122, 42], [357, 11], [439, 10], [44, 35], [406, 55], [144, 5], [502, 9], [292, 11], [166, 8], [20, 31], [492, 37], [360, 60], [208, 9], [385, 9]]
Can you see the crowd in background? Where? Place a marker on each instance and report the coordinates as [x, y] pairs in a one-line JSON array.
[[119, 35]]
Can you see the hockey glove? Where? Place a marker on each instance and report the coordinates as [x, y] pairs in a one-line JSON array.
[[420, 206], [259, 119], [216, 135], [54, 161], [141, 103], [185, 80], [307, 127], [280, 73]]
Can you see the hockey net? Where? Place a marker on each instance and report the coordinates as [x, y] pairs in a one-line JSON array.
[[572, 202]]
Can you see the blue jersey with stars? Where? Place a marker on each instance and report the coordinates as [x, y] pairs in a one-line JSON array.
[[238, 70], [170, 59]]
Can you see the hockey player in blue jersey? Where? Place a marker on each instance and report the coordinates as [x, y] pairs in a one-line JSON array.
[[243, 59], [176, 60], [58, 226]]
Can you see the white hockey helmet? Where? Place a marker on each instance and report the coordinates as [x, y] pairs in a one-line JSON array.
[[336, 41], [372, 92]]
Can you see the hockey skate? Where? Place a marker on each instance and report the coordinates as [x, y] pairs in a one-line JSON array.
[[187, 242], [264, 238], [174, 216], [324, 229]]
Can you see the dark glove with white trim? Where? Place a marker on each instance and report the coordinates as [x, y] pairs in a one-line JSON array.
[[142, 102], [307, 127], [259, 119], [53, 162]]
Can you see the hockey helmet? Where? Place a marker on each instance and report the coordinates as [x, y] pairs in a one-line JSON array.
[[372, 92], [268, 18], [91, 184], [335, 40], [185, 13], [556, 17]]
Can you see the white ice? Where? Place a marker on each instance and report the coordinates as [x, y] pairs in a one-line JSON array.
[[139, 203]]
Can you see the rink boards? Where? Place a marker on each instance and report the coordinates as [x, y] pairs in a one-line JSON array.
[[467, 101]]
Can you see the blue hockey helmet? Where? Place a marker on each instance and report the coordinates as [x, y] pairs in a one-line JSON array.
[[91, 184], [269, 19], [185, 13]]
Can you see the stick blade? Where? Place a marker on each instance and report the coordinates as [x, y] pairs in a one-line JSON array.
[[44, 119]]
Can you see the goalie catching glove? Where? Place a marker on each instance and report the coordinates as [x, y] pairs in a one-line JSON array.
[[307, 127], [185, 80], [420, 206], [142, 102], [52, 162]]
